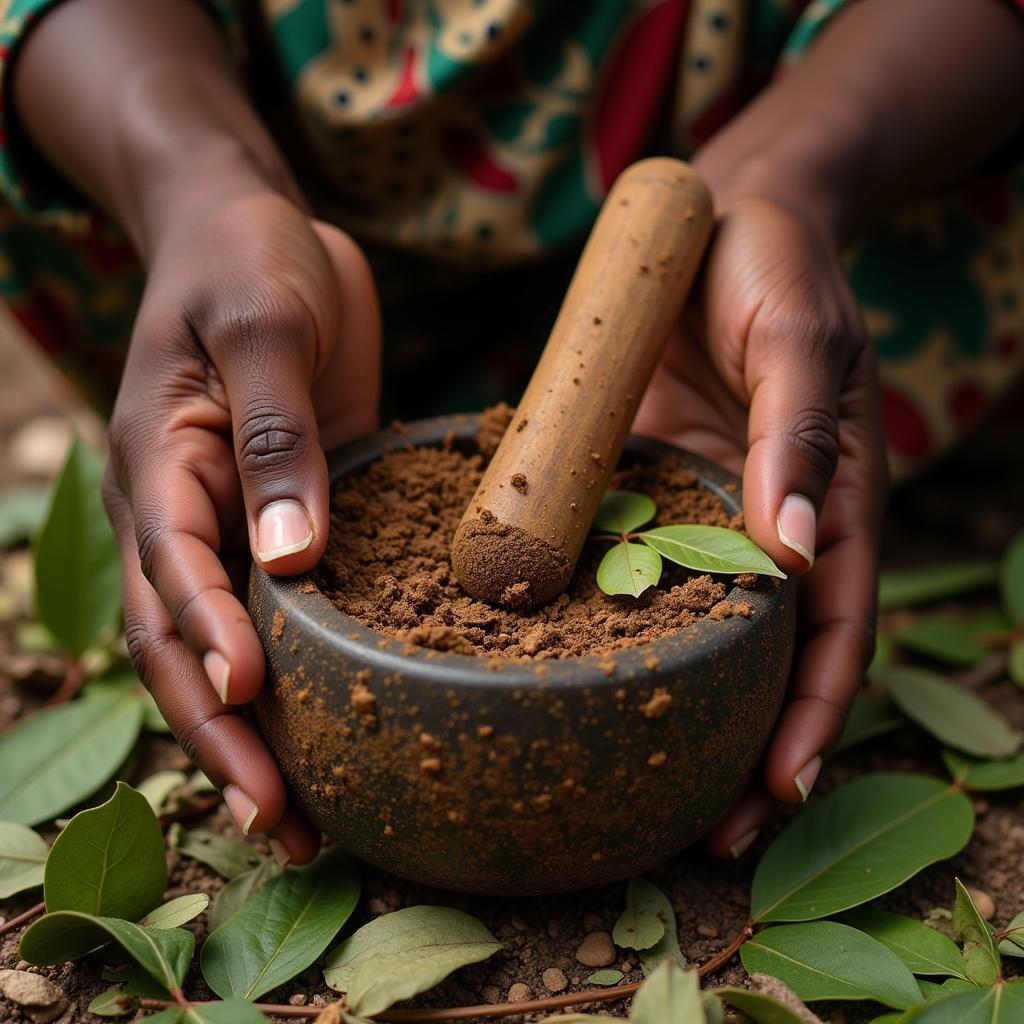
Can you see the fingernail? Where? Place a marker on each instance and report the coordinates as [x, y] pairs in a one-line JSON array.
[[241, 806], [283, 529], [797, 524], [744, 843], [280, 852], [219, 671], [806, 777]]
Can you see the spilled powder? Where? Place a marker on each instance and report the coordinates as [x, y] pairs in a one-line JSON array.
[[387, 562]]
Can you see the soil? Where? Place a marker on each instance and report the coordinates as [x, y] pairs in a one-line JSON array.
[[966, 508], [388, 561]]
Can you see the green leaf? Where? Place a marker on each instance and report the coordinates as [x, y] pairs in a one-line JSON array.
[[639, 926], [904, 588], [932, 990], [156, 788], [230, 900], [113, 1003], [628, 569], [283, 929], [1015, 662], [66, 935], [863, 840], [605, 978], [153, 720], [1013, 944], [62, 755], [760, 1008], [869, 717], [21, 512], [1001, 1004], [397, 956], [109, 861], [985, 775], [827, 960], [648, 897], [881, 659], [1011, 580], [924, 950], [228, 857], [623, 512], [952, 714], [177, 912], [231, 1011], [951, 640], [78, 571], [710, 549], [981, 960], [669, 996], [22, 856]]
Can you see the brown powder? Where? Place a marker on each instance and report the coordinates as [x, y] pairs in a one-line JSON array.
[[519, 482], [388, 563]]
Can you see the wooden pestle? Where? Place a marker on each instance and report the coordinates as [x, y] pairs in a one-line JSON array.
[[519, 540]]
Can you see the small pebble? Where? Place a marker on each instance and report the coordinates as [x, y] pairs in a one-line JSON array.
[[707, 931], [298, 999], [596, 950], [554, 980], [518, 992], [490, 994], [982, 901]]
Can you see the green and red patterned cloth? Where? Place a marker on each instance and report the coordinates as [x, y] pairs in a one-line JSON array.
[[484, 134]]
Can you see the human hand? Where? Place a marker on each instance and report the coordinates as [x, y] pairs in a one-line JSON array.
[[256, 347], [772, 375]]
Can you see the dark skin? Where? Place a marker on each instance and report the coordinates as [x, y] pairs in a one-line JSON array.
[[257, 343]]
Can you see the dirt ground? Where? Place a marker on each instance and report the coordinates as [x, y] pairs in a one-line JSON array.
[[969, 505]]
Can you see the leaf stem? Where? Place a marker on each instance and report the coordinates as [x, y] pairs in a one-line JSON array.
[[29, 915], [435, 1016], [70, 685]]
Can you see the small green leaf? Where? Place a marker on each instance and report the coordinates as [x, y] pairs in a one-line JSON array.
[[905, 588], [1011, 580], [638, 927], [228, 857], [980, 960], [869, 717], [881, 659], [623, 512], [62, 755], [950, 640], [177, 912], [924, 950], [628, 569], [1015, 662], [760, 1008], [863, 840], [113, 1003], [22, 856], [156, 788], [648, 897], [710, 549], [109, 861], [1013, 944], [669, 996], [231, 1011], [399, 955], [230, 900], [1000, 1004], [66, 935], [952, 714], [827, 960], [605, 978], [22, 510], [985, 775], [78, 571], [932, 990], [283, 929]]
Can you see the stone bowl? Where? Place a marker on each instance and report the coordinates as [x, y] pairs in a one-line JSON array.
[[543, 777]]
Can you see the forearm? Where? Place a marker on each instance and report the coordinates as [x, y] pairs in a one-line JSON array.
[[133, 100], [897, 98]]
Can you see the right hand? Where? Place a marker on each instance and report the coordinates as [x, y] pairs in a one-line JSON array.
[[256, 347]]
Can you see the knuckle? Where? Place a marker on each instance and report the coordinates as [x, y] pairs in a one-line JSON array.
[[192, 740], [260, 320], [814, 435], [268, 440], [150, 536], [145, 649]]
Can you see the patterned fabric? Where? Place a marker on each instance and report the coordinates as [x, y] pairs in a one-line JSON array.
[[464, 134]]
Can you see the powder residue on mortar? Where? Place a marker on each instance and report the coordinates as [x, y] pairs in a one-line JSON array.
[[388, 561]]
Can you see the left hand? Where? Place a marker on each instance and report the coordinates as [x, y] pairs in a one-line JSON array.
[[772, 375]]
